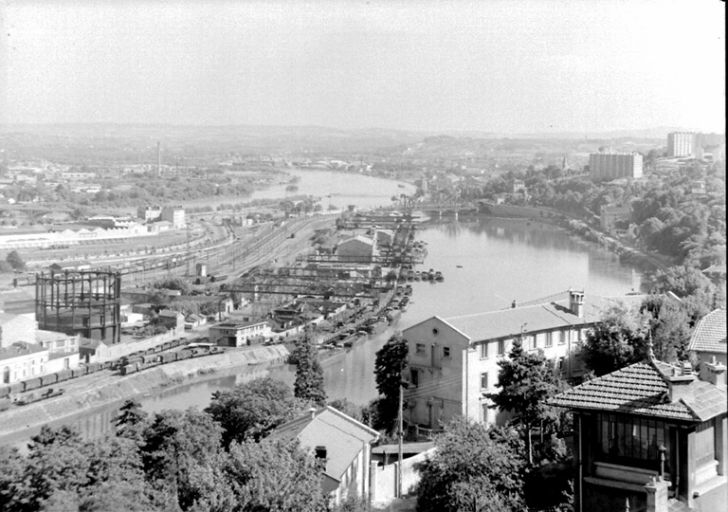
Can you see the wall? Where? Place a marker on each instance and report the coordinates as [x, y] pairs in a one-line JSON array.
[[111, 352], [438, 396], [24, 366], [383, 479]]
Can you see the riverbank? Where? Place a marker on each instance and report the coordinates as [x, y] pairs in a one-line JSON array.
[[627, 254], [104, 390]]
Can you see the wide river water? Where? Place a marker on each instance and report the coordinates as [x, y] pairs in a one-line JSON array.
[[486, 263]]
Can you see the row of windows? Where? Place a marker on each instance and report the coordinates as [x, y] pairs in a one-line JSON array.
[[632, 440], [421, 349], [533, 341]]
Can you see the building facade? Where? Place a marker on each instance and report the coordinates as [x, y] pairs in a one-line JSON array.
[[652, 435], [708, 341], [239, 334], [680, 144], [344, 446], [452, 363], [175, 215], [612, 166]]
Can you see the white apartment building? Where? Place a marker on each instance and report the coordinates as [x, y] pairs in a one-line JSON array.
[[680, 144], [612, 166], [452, 363]]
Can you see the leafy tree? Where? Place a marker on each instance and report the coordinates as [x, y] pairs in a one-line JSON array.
[[613, 343], [526, 380], [389, 364], [253, 409], [349, 408], [182, 459], [668, 323], [275, 476], [309, 383], [685, 282], [15, 261], [474, 468]]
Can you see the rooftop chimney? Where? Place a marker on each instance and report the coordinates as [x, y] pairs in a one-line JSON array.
[[713, 372], [576, 302], [679, 382]]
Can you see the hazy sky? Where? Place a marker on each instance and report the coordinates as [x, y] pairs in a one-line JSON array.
[[504, 66]]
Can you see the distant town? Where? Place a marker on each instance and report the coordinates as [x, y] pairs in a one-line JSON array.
[[132, 272]]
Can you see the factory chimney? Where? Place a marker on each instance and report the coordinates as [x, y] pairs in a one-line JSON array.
[[159, 158]]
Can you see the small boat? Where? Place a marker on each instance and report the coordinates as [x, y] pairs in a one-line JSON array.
[[438, 276], [459, 266], [418, 276]]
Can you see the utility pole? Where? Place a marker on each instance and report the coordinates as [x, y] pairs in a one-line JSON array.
[[400, 435]]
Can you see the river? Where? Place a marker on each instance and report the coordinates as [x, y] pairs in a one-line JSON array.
[[486, 263]]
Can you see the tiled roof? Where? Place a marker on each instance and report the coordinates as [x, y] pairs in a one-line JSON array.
[[710, 333], [641, 389], [342, 436], [536, 317]]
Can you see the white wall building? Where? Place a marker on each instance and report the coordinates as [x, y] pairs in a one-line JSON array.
[[452, 363]]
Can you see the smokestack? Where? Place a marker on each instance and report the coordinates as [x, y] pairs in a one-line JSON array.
[[159, 158]]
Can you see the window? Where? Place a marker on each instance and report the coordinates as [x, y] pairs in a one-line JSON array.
[[414, 377], [501, 347], [420, 348], [529, 342], [60, 343], [484, 380], [484, 350], [549, 340], [445, 351], [560, 339], [633, 441], [484, 412]]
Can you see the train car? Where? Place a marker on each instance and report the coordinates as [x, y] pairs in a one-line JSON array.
[[94, 367], [30, 384], [46, 380], [77, 372], [64, 375], [168, 357], [184, 354], [129, 368]]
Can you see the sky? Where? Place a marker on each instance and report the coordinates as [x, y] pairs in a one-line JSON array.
[[504, 66]]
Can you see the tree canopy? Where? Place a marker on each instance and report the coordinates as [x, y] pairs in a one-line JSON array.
[[389, 364], [474, 468]]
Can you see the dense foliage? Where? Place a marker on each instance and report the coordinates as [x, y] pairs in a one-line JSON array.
[[171, 461], [474, 468]]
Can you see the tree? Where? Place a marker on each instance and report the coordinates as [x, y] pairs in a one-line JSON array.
[[182, 459], [274, 476], [309, 383], [668, 323], [131, 420], [613, 343], [389, 364], [253, 409], [15, 261], [349, 408], [474, 468], [526, 380]]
